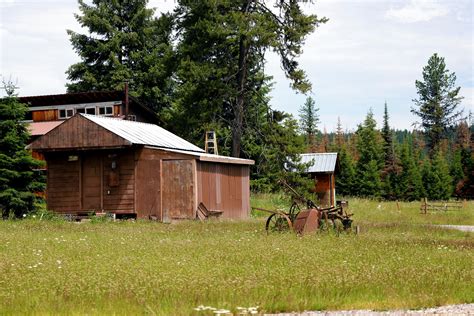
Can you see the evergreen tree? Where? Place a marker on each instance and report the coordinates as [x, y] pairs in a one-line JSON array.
[[124, 43], [438, 100], [391, 170], [436, 179], [309, 120], [222, 48], [339, 135], [18, 178], [370, 158], [345, 180], [410, 182], [456, 170]]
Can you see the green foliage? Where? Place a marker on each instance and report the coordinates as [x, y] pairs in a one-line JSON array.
[[125, 43], [18, 177], [221, 53], [410, 182], [346, 177], [437, 100], [370, 158], [436, 178], [309, 120]]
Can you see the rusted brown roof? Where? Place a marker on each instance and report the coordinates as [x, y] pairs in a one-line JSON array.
[[41, 128]]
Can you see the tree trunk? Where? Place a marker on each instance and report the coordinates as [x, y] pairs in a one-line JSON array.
[[237, 124]]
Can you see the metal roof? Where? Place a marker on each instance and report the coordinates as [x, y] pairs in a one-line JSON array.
[[322, 162], [143, 133], [215, 158]]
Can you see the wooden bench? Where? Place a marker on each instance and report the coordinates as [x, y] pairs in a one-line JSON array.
[[440, 205], [203, 213]]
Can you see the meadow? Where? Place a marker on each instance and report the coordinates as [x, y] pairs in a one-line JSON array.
[[397, 261]]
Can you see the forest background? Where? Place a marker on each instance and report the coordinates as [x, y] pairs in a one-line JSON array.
[[201, 67]]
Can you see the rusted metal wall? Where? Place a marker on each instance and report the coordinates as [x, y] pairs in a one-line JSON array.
[[325, 188], [224, 187], [178, 189]]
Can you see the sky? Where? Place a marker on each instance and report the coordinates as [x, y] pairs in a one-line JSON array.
[[368, 53]]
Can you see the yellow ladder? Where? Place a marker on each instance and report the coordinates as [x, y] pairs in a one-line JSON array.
[[211, 143]]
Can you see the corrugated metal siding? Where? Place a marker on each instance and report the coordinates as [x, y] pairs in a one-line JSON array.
[[143, 133], [323, 162], [224, 187]]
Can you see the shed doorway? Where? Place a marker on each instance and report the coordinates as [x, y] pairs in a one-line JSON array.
[[178, 189], [91, 182]]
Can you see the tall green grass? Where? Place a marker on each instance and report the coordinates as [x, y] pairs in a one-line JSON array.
[[169, 269]]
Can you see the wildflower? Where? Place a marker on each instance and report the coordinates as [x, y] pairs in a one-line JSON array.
[[24, 215], [58, 261], [34, 216]]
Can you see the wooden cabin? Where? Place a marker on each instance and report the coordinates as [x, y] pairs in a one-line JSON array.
[[102, 164], [323, 172], [45, 112]]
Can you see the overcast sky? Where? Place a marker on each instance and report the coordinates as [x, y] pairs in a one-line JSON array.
[[370, 51]]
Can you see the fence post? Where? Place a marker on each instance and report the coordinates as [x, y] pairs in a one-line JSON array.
[[398, 206]]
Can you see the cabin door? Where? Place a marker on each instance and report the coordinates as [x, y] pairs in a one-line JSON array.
[[178, 189], [91, 182]]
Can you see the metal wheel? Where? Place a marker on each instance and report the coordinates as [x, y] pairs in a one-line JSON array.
[[278, 223]]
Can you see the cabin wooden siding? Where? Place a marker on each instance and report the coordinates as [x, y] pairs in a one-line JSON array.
[[325, 188], [63, 183], [224, 187], [45, 115], [79, 132]]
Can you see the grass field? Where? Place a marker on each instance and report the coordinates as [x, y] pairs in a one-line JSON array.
[[55, 267]]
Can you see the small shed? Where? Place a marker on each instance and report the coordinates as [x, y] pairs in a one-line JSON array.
[[101, 164], [323, 172]]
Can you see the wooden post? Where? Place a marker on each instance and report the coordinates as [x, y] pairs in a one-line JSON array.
[[398, 206], [426, 205]]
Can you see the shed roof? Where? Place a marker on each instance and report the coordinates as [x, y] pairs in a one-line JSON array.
[[322, 162], [41, 128], [143, 133]]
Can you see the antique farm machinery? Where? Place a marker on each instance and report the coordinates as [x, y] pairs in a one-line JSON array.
[[305, 216]]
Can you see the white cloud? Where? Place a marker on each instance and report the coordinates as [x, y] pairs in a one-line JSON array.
[[418, 11]]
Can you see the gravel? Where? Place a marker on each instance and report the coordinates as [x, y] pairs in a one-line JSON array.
[[461, 309], [464, 228]]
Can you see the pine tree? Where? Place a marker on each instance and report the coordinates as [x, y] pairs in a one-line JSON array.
[[124, 43], [18, 178], [222, 46], [456, 170], [436, 179], [410, 182], [370, 158], [339, 135], [437, 101], [345, 179], [309, 120], [391, 169]]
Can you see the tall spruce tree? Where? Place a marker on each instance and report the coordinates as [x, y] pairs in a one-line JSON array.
[[410, 184], [18, 178], [124, 43], [345, 180], [222, 47], [309, 120], [391, 169], [370, 158], [438, 101]]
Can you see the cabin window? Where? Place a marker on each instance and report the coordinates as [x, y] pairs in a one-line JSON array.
[[65, 113], [106, 110], [80, 110], [90, 111]]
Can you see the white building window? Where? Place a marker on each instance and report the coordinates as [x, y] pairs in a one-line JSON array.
[[65, 113]]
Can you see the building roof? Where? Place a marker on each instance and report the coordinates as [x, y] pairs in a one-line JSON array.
[[322, 162], [215, 158], [143, 133], [41, 128]]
